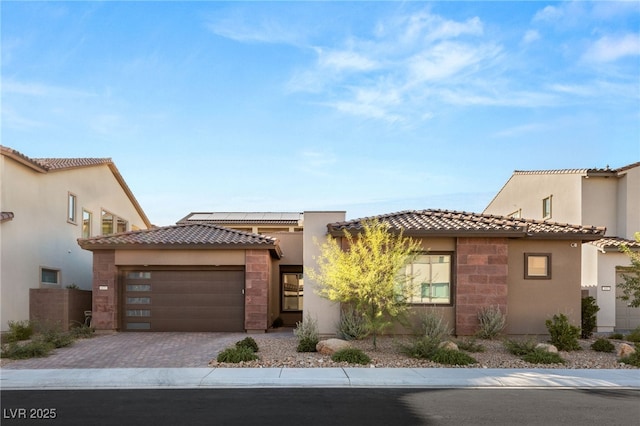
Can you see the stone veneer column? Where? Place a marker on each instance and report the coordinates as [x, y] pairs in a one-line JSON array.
[[481, 279], [105, 300], [256, 300]]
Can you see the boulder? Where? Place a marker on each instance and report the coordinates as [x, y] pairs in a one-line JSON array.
[[449, 345], [547, 347], [330, 346], [624, 350]]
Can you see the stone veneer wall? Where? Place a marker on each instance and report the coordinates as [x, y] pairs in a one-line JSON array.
[[481, 279], [105, 302], [59, 306], [256, 302]]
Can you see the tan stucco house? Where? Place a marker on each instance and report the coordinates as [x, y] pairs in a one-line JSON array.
[[46, 205], [201, 276], [603, 197]]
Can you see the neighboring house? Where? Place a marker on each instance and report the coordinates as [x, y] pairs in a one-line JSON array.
[[155, 279], [47, 204], [603, 197]]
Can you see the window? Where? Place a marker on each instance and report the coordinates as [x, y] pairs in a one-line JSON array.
[[546, 207], [49, 276], [71, 208], [112, 223], [431, 275], [292, 291], [87, 222], [537, 266], [516, 215]]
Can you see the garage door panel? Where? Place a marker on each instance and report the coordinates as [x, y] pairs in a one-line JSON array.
[[184, 300]]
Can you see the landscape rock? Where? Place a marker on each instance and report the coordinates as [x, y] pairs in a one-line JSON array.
[[625, 350], [547, 347], [449, 345], [330, 346]]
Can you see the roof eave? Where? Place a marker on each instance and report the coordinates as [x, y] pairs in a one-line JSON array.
[[274, 249]]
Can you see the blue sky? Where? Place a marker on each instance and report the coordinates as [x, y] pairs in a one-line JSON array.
[[368, 107]]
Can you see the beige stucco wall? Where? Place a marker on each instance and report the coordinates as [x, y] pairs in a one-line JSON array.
[[527, 191], [629, 207], [40, 236], [315, 231], [599, 201], [531, 301]]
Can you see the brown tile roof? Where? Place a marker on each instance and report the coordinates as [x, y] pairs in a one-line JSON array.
[[5, 216], [196, 236], [52, 164], [592, 171], [464, 224], [615, 243]]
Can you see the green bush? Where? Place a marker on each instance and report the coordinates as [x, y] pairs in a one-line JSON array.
[[56, 338], [432, 326], [634, 336], [470, 345], [307, 333], [82, 331], [352, 325], [589, 311], [492, 322], [237, 354], [602, 345], [351, 355], [422, 348], [19, 330], [452, 357], [564, 336], [616, 336], [307, 344], [34, 349], [540, 356], [520, 347], [249, 343]]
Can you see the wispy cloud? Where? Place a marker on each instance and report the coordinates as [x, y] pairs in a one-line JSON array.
[[10, 86], [247, 27], [612, 48], [14, 120]]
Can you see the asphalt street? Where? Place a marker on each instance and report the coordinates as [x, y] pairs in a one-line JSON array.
[[322, 406]]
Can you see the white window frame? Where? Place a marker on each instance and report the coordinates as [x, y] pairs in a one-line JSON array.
[[72, 208]]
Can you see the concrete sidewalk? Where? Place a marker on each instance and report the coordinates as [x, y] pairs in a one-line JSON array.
[[210, 378]]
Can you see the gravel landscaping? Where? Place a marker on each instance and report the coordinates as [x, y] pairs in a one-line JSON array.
[[279, 350]]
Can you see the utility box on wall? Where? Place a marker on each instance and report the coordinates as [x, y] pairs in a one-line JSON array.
[[59, 306]]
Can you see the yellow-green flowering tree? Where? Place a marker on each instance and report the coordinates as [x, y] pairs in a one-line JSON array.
[[631, 285], [369, 273]]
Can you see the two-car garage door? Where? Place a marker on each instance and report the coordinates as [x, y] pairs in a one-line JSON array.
[[183, 300]]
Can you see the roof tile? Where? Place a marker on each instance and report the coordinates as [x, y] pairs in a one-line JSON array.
[[447, 222], [615, 243]]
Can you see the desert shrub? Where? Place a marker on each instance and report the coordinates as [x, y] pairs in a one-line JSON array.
[[237, 354], [351, 355], [422, 347], [249, 343], [34, 349], [82, 331], [564, 336], [520, 347], [589, 311], [634, 336], [602, 345], [307, 333], [540, 356], [432, 325], [352, 325], [616, 336], [19, 330], [492, 322], [470, 345], [452, 357], [56, 338]]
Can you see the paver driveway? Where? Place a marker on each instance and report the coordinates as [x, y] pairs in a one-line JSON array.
[[136, 350]]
